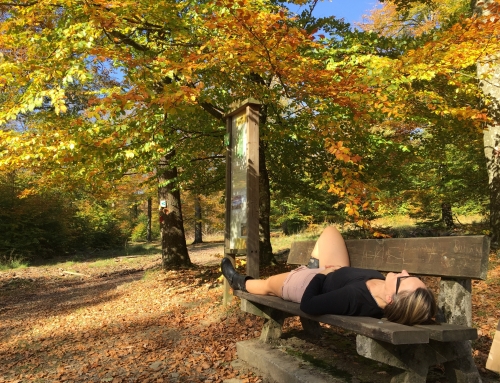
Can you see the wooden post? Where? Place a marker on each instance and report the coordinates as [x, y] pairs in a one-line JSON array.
[[241, 235], [227, 297], [253, 191]]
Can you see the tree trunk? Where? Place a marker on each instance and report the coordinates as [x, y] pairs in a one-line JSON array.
[[265, 247], [491, 147], [284, 228], [489, 81], [148, 235], [447, 215], [173, 240], [134, 211], [198, 235]]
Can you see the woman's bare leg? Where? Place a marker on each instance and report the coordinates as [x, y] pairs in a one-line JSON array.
[[330, 248], [269, 286]]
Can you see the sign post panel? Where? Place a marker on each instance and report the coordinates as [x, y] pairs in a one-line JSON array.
[[242, 185]]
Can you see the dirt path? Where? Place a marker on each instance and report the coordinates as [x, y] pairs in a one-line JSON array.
[[206, 253], [118, 320]]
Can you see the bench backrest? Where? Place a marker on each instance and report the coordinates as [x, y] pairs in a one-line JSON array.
[[452, 257]]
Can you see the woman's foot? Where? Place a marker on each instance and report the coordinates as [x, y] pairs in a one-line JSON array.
[[236, 281]]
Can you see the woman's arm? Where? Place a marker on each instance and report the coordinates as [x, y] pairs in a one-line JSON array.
[[330, 268]]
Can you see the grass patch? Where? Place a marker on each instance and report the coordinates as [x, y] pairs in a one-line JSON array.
[[68, 264], [404, 226], [142, 249], [102, 263], [281, 241], [397, 226], [321, 364], [148, 274], [12, 263], [102, 257], [207, 238]]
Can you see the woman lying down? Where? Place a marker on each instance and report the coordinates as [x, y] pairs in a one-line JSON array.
[[336, 288]]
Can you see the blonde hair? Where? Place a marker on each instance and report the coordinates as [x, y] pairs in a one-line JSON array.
[[412, 307]]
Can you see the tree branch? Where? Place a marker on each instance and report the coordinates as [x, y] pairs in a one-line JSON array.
[[208, 158], [20, 4], [211, 109], [126, 40]]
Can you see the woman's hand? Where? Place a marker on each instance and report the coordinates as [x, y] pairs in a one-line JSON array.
[[330, 268]]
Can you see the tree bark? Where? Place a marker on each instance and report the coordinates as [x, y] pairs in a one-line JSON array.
[[265, 247], [198, 234], [447, 215], [284, 228], [173, 240], [135, 211], [148, 235], [489, 81]]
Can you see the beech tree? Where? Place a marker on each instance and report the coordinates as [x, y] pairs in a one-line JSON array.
[[176, 59], [438, 44], [182, 55], [488, 72]]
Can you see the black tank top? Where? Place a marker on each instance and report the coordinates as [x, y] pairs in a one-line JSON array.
[[342, 292]]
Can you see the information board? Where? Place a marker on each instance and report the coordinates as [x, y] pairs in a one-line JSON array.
[[239, 166], [242, 185]]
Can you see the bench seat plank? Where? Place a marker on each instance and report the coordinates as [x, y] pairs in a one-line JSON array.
[[449, 332], [383, 330]]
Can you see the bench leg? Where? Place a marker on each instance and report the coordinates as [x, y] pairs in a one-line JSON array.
[[411, 358], [273, 326], [410, 376], [457, 360], [416, 359], [311, 327], [454, 302], [462, 369]]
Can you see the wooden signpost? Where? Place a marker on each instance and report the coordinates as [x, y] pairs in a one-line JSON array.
[[241, 235]]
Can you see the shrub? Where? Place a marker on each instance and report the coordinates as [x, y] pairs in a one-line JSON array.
[[38, 226], [140, 231]]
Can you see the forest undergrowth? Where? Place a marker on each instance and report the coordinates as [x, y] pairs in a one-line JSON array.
[[123, 319]]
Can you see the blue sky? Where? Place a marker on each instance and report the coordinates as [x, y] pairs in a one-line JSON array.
[[351, 11]]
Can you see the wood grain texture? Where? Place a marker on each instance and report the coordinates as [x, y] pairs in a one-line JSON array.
[[374, 328], [455, 257], [449, 332], [253, 195]]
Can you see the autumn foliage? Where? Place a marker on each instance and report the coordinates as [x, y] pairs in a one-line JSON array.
[[101, 89]]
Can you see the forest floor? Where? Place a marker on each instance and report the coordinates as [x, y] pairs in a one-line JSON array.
[[123, 319]]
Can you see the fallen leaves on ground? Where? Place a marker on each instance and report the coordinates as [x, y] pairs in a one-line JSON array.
[[119, 325], [130, 321], [486, 311]]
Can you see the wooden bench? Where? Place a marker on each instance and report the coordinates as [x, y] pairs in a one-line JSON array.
[[456, 260]]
